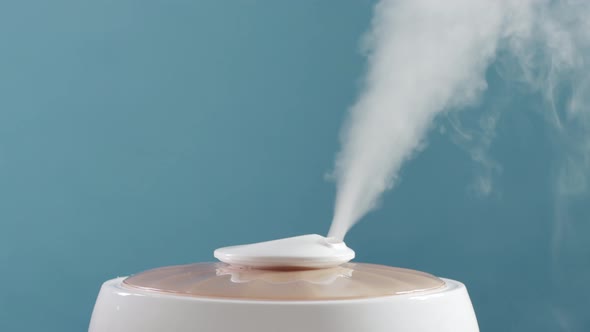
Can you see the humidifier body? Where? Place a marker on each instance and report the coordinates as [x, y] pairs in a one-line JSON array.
[[124, 309], [304, 283]]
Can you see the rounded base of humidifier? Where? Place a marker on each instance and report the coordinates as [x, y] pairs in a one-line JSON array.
[[121, 308]]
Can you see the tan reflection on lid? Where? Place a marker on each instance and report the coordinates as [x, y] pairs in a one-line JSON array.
[[220, 280]]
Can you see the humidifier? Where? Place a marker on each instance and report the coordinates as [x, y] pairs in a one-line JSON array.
[[305, 283]]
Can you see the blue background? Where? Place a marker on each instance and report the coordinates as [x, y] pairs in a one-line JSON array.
[[136, 134]]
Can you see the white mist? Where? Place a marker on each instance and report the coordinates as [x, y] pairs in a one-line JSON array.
[[429, 56]]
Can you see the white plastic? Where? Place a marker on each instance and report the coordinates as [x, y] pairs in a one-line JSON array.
[[305, 251], [125, 309]]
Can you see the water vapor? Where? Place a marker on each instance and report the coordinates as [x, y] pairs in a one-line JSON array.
[[430, 57]]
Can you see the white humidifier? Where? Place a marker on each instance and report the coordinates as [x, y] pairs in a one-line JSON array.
[[304, 283]]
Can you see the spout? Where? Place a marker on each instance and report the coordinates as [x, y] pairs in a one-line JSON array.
[[307, 252]]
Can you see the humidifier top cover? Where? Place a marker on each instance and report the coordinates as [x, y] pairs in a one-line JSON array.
[[308, 267]]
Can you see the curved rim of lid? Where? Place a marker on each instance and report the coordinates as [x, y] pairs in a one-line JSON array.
[[448, 285]]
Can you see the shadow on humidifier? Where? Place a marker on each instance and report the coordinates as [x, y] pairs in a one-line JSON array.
[[304, 283]]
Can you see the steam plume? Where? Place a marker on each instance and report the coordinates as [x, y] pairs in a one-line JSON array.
[[426, 57]]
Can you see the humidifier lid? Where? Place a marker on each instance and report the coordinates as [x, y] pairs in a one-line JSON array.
[[301, 268]]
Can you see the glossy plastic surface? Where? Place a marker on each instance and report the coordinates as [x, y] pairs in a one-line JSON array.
[[122, 308], [305, 251], [220, 280]]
